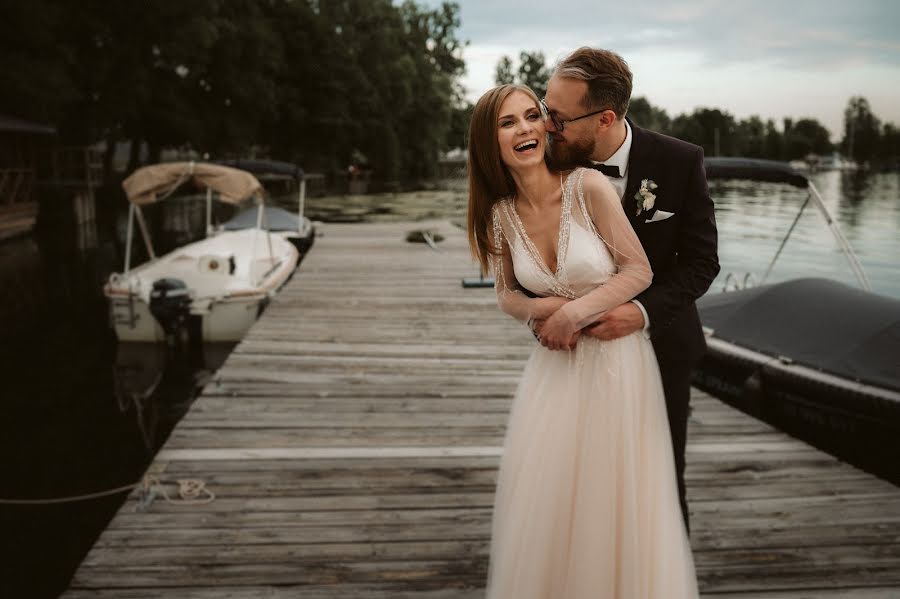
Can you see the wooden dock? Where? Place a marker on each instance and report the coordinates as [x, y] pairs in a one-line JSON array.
[[352, 441]]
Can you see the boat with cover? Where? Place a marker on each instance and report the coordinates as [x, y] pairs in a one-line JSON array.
[[816, 358], [210, 290]]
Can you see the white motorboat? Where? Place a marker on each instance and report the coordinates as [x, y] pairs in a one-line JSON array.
[[213, 289]]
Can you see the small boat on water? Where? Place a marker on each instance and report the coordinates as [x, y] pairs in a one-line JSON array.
[[814, 357], [211, 290]]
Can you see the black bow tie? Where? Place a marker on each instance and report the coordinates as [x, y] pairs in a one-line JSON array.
[[607, 169]]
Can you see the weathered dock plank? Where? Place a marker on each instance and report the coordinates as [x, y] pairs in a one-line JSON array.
[[352, 441]]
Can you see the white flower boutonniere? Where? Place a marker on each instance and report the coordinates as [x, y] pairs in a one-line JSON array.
[[645, 196]]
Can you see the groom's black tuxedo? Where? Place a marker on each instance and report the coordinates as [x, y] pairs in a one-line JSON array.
[[682, 250]]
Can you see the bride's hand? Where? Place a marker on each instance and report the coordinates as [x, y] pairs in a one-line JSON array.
[[558, 332]]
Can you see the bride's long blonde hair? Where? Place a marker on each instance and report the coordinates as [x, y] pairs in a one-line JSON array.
[[489, 179]]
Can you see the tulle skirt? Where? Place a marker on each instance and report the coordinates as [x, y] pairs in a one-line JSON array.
[[587, 502]]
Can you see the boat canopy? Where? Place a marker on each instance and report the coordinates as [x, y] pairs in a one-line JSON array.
[[156, 182], [817, 323], [769, 171]]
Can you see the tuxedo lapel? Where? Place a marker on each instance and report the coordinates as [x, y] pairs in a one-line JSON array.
[[639, 161]]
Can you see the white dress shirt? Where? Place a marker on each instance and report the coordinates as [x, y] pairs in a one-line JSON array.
[[619, 159]]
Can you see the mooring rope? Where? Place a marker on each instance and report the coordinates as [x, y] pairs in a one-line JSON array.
[[191, 491]]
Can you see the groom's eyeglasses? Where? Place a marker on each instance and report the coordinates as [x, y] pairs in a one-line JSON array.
[[558, 123]]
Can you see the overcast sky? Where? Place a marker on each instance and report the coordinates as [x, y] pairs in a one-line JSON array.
[[797, 58]]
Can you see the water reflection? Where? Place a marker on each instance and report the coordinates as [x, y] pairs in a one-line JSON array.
[[753, 219], [157, 384], [856, 185]]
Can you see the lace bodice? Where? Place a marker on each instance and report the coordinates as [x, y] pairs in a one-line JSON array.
[[584, 262], [600, 262]]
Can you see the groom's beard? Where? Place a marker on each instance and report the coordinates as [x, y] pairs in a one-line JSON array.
[[566, 154]]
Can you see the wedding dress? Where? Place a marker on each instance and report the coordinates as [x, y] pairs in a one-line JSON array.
[[586, 504]]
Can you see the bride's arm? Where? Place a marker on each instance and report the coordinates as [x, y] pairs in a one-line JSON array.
[[512, 299], [633, 273]]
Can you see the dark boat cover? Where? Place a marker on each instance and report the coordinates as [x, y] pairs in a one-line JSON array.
[[770, 171], [274, 219], [261, 168], [818, 323]]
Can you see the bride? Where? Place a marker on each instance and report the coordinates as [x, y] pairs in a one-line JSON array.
[[586, 503]]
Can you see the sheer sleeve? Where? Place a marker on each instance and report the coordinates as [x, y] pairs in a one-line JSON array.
[[510, 296], [598, 205]]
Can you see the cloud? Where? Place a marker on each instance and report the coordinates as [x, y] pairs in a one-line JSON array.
[[775, 58], [817, 34]]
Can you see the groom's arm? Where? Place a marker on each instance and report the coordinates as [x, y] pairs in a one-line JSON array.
[[696, 259]]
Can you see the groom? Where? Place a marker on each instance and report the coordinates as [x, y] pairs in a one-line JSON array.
[[662, 183]]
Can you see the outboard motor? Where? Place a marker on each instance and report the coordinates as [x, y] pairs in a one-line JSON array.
[[170, 303]]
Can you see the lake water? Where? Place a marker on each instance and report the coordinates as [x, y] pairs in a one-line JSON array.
[[753, 219], [81, 415]]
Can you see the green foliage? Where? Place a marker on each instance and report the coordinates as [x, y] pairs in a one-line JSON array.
[[457, 135], [125, 59], [774, 142], [33, 76], [644, 114], [304, 80], [711, 128], [721, 135], [751, 137], [532, 71], [806, 136], [503, 73]]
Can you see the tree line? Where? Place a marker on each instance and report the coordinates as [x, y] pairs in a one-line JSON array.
[[320, 83], [866, 140]]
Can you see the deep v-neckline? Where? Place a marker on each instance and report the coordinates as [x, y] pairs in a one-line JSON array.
[[562, 233]]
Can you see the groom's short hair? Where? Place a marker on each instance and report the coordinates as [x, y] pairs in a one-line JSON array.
[[607, 75]]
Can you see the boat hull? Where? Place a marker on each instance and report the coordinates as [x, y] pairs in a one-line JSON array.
[[132, 320], [223, 321], [214, 289], [857, 423]]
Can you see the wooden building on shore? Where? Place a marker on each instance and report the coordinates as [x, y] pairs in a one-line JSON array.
[[22, 144], [31, 159]]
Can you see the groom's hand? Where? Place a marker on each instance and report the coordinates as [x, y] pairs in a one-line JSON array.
[[618, 322]]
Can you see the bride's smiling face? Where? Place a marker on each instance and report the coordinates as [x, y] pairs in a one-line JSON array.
[[520, 131]]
